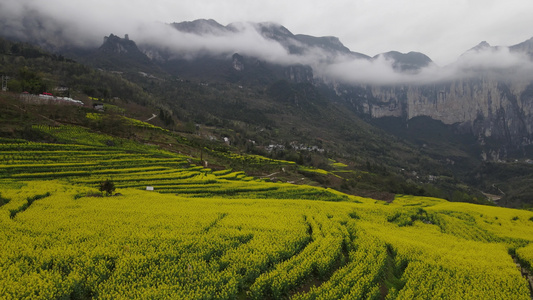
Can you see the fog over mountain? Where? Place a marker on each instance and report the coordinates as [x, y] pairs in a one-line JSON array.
[[269, 42], [486, 90], [442, 29]]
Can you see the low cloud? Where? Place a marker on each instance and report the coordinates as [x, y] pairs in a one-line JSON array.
[[58, 23], [31, 20], [494, 62], [363, 71], [246, 41]]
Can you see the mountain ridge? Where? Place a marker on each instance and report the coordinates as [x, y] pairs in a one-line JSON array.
[[394, 84], [285, 91], [60, 41]]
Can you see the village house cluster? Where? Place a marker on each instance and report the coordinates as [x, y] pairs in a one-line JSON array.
[[48, 98]]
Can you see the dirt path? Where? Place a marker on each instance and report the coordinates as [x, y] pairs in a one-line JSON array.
[[526, 274], [153, 116], [492, 197]]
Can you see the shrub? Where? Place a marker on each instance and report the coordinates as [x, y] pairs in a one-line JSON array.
[[107, 186]]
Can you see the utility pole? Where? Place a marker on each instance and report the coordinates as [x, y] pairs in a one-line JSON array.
[[4, 83]]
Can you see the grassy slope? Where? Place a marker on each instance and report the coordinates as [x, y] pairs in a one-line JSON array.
[[222, 234]]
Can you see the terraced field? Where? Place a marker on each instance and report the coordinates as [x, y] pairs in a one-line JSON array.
[[204, 234], [88, 158]]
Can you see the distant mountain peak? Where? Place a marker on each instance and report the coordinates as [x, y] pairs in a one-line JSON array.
[[325, 42], [120, 54], [118, 45], [525, 47], [481, 46], [412, 61], [273, 31], [275, 27], [200, 26]]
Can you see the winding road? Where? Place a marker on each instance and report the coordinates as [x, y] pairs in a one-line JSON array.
[[153, 116]]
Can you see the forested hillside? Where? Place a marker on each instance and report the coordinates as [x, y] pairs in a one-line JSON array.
[[288, 121]]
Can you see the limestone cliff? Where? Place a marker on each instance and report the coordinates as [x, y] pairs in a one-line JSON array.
[[500, 113]]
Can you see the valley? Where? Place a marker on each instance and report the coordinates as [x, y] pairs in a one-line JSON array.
[[145, 168]]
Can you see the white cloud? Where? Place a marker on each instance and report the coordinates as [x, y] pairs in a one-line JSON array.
[[497, 63], [246, 41], [438, 28], [442, 29]]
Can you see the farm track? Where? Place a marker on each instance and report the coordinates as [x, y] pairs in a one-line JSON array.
[[26, 205], [525, 273]]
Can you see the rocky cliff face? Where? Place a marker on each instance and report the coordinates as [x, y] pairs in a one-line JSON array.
[[476, 99], [499, 114]]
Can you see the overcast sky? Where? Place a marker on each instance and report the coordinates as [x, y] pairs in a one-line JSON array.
[[441, 29]]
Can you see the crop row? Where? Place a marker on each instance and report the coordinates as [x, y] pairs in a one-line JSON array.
[[360, 278], [238, 237], [318, 259], [168, 175], [149, 245], [185, 246]]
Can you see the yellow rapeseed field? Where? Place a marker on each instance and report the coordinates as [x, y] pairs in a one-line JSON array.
[[204, 234]]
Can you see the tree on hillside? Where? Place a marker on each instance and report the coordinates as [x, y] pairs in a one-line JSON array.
[[107, 186]]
